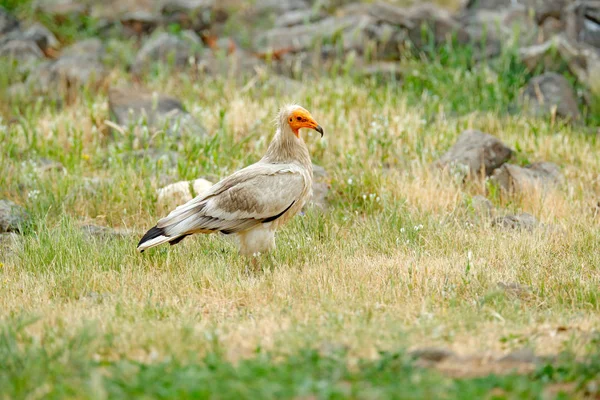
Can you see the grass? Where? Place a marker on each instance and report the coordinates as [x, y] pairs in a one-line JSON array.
[[400, 260]]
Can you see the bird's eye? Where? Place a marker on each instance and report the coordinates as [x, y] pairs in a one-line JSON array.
[[291, 119], [299, 118]]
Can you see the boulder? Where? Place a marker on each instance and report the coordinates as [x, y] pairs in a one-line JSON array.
[[348, 32], [8, 22], [197, 15], [132, 106], [12, 216], [181, 192], [583, 22], [438, 22], [177, 50], [550, 93], [477, 152], [22, 50], [89, 48], [513, 179]]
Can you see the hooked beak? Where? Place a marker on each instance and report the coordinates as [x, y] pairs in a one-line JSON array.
[[319, 129]]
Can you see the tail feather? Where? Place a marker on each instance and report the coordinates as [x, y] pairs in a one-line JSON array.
[[156, 236]]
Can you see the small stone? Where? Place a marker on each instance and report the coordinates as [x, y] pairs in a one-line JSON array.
[[12, 216], [320, 188], [524, 355], [298, 17], [522, 221], [551, 93], [8, 22], [478, 152], [89, 48], [100, 231], [181, 192], [21, 50], [197, 15], [432, 354], [537, 176], [131, 106], [178, 50]]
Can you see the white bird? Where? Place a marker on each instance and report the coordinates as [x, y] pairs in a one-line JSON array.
[[254, 201]]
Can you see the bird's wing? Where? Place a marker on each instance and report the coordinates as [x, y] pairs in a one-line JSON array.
[[256, 194]]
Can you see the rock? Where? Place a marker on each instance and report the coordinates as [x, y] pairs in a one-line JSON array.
[[178, 50], [348, 32], [101, 231], [320, 188], [583, 60], [42, 36], [432, 354], [22, 50], [438, 22], [138, 23], [478, 152], [8, 22], [131, 106], [473, 5], [513, 179], [278, 7], [522, 221], [181, 192], [551, 93], [520, 356], [482, 206], [12, 216], [88, 48], [238, 64], [298, 17], [583, 22], [7, 240], [197, 15], [389, 40], [63, 9], [77, 71]]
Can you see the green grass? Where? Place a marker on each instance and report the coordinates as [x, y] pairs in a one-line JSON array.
[[55, 366]]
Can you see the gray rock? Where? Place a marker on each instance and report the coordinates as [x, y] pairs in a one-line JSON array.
[[298, 17], [131, 106], [12, 216], [101, 231], [439, 22], [432, 354], [197, 15], [549, 93], [513, 179], [61, 9], [88, 48], [348, 31], [583, 22], [168, 48], [238, 64], [21, 50], [522, 221], [8, 22], [524, 355], [140, 22], [477, 152]]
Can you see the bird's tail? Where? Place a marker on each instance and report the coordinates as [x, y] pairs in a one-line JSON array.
[[156, 236]]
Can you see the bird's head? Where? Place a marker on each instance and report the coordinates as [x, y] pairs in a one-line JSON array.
[[297, 118]]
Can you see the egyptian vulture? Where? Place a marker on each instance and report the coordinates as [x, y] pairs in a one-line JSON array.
[[253, 202]]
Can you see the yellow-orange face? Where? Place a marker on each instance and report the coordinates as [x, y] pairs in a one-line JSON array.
[[301, 118]]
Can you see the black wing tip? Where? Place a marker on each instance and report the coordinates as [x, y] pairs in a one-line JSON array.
[[152, 233]]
